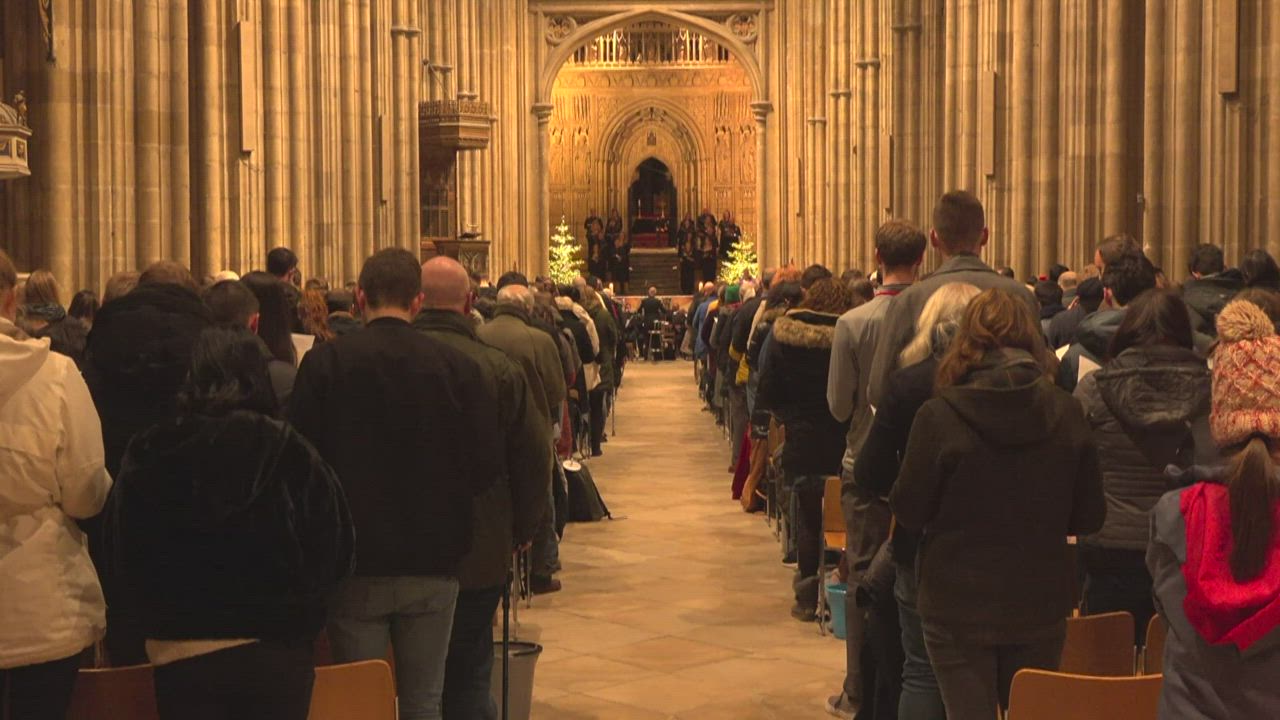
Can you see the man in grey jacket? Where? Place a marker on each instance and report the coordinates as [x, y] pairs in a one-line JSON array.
[[899, 252], [959, 234]]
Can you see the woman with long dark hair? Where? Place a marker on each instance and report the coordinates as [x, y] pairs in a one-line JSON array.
[[227, 532], [1214, 553], [275, 316], [999, 469]]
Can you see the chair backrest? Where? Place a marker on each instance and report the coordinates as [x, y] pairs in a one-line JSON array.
[[832, 516], [1099, 645], [362, 690], [1043, 695], [1153, 653], [127, 693]]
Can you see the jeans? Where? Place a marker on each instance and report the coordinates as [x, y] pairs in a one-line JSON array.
[[975, 672], [1116, 580], [545, 553], [921, 699], [414, 615], [38, 692], [808, 490], [467, 671], [264, 680]]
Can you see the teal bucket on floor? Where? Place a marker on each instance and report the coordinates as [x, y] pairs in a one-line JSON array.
[[835, 601]]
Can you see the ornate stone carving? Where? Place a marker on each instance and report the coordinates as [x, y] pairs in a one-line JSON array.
[[744, 25], [560, 27], [14, 133]]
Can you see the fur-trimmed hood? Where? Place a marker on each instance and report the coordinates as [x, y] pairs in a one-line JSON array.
[[806, 328]]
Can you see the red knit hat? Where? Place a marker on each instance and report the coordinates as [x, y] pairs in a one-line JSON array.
[[1246, 376]]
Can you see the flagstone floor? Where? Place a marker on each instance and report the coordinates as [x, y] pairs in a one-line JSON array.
[[679, 606]]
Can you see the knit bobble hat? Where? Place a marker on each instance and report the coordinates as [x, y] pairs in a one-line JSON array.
[[1246, 376]]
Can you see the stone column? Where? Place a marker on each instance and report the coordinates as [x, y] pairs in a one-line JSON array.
[[1153, 132], [767, 250], [542, 111]]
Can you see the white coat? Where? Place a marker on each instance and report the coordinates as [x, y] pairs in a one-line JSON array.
[[51, 472]]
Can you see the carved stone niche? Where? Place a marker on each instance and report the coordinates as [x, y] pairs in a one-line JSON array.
[[470, 250], [14, 134]]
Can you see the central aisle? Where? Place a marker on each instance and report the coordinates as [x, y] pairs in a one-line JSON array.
[[678, 608]]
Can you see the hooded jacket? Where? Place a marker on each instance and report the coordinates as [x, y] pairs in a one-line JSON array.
[[998, 471], [51, 472], [226, 527], [1144, 408], [793, 387], [1222, 654]]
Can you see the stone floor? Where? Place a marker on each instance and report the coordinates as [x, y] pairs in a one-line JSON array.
[[679, 606]]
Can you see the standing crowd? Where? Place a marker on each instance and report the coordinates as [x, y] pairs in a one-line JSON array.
[[208, 477], [1009, 454]]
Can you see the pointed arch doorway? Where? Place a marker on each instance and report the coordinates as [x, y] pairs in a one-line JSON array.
[[651, 205]]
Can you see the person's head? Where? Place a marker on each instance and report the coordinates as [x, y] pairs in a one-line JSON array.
[[119, 285], [828, 295], [862, 291], [340, 301], [313, 311], [1266, 299], [1206, 259], [812, 274], [281, 262], [959, 224], [275, 317], [848, 276], [590, 298], [84, 306], [41, 289], [1056, 270], [8, 288], [1068, 280], [1114, 247], [317, 284], [513, 277], [517, 296], [938, 323], [1245, 425], [1090, 294], [224, 275], [899, 246], [446, 285], [168, 272], [569, 291], [391, 285], [579, 282], [1127, 277], [228, 373], [766, 278], [1006, 271], [1048, 293], [231, 302], [996, 319], [784, 295], [653, 292], [1155, 317], [1259, 268]]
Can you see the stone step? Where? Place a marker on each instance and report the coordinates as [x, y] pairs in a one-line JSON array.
[[657, 268]]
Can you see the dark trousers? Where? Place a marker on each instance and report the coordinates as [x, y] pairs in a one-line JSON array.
[[882, 659], [808, 520], [38, 692], [597, 418], [268, 680], [470, 662], [1116, 580], [975, 672]]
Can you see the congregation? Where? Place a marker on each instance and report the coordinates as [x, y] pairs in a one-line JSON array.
[[208, 477], [1009, 455]]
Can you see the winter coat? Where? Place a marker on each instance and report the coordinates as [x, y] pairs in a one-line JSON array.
[[999, 470], [342, 323], [67, 336], [1222, 653], [512, 332], [1206, 296], [506, 514], [1093, 341], [607, 332], [793, 387], [51, 473], [400, 416], [586, 335], [1063, 326], [1142, 407], [226, 527]]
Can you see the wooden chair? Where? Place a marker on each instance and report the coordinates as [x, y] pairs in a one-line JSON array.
[[1043, 695], [127, 693], [833, 538], [1153, 653], [362, 690], [1099, 645]]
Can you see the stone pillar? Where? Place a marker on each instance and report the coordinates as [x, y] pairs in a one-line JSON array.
[[542, 111], [768, 244]]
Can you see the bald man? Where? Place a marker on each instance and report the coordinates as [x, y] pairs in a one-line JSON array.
[[506, 516]]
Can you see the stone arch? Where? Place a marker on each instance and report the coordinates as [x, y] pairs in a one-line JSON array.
[[617, 125], [587, 31]]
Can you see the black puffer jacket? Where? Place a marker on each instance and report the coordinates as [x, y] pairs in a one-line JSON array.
[[793, 387], [1143, 407], [226, 527], [1207, 296]]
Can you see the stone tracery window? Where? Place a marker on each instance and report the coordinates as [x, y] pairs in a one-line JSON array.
[[651, 43]]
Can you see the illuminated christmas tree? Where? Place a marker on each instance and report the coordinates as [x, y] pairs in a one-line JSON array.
[[565, 265], [742, 263]]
